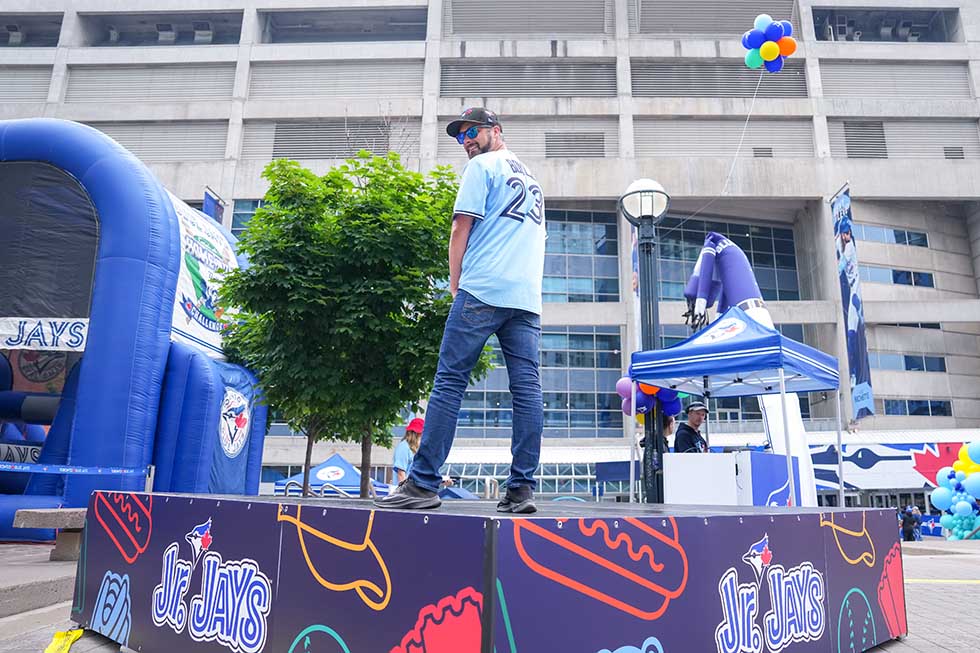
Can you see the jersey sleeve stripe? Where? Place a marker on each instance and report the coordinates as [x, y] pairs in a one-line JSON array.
[[472, 215]]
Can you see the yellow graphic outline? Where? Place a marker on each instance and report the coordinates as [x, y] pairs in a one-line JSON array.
[[359, 585], [866, 557]]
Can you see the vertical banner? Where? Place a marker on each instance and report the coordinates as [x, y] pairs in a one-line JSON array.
[[850, 290], [213, 206]]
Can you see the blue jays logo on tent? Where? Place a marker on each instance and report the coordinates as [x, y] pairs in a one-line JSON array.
[[724, 330], [200, 539], [235, 418], [758, 556]]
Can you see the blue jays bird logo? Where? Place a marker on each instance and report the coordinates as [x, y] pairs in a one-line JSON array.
[[758, 556], [200, 539]]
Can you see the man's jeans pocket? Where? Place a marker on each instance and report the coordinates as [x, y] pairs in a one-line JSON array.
[[476, 313]]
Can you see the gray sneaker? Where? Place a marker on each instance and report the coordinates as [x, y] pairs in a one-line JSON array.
[[409, 496], [518, 499]]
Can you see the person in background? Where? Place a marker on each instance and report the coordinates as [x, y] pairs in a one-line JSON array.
[[908, 525], [405, 450], [689, 438], [917, 531]]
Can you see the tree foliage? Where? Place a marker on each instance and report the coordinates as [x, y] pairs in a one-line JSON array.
[[343, 303]]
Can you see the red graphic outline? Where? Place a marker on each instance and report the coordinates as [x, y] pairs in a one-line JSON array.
[[891, 593], [449, 615], [636, 553], [140, 518]]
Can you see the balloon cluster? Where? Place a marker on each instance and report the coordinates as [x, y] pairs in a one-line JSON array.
[[769, 43], [647, 397], [956, 493]]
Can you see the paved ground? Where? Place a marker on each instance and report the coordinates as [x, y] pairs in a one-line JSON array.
[[942, 590], [942, 585]]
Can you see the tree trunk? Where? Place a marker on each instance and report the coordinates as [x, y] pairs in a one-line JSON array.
[[311, 436], [366, 442]]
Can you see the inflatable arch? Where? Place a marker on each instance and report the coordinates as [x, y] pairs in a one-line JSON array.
[[110, 334]]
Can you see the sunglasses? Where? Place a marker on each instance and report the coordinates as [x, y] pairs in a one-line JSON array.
[[470, 133]]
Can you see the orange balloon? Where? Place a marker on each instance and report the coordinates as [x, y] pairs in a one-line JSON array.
[[649, 389], [787, 45]]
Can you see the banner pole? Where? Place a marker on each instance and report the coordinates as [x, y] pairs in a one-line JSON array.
[[789, 452]]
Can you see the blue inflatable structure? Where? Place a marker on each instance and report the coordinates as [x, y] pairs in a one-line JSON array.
[[110, 331]]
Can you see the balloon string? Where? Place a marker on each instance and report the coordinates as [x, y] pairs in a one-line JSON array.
[[731, 170]]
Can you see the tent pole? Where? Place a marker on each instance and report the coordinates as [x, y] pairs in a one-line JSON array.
[[632, 432], [840, 455], [789, 452], [707, 398]]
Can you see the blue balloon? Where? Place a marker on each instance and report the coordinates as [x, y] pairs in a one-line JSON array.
[[774, 31], [973, 450], [787, 27], [942, 498], [666, 395], [775, 65], [958, 487], [745, 40], [762, 21], [672, 407], [755, 39], [942, 478], [960, 476], [972, 484], [963, 509], [947, 522]]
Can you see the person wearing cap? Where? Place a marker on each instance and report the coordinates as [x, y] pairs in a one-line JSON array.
[[405, 450], [496, 266], [688, 438]]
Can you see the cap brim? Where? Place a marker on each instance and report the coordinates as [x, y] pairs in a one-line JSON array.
[[453, 128]]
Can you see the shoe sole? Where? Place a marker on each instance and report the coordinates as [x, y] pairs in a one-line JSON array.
[[522, 508], [411, 503]]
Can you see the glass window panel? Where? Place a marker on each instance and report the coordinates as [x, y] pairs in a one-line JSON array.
[[935, 364], [941, 408], [607, 286], [785, 234], [499, 418], [896, 407], [556, 418], [554, 359], [742, 241], [888, 361], [917, 239], [914, 363], [555, 264], [580, 266], [548, 486], [787, 261], [766, 277], [498, 400], [581, 359], [794, 331], [582, 380], [918, 407], [471, 418], [473, 400], [606, 266], [581, 341], [671, 290], [757, 230], [555, 400], [582, 419], [786, 280], [762, 245], [608, 360], [898, 236], [581, 401], [610, 419], [769, 295], [554, 340], [580, 286], [763, 258], [608, 342], [923, 279], [608, 401], [804, 408]]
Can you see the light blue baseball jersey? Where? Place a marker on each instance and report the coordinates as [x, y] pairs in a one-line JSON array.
[[504, 260]]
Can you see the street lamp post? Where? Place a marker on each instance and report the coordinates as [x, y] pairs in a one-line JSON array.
[[643, 204]]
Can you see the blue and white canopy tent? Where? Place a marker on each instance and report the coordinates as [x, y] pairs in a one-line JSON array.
[[334, 477], [736, 356]]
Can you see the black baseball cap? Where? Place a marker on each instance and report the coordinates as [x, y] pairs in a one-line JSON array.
[[477, 115], [696, 405]]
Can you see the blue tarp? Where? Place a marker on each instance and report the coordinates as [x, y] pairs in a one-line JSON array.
[[741, 357], [456, 492], [336, 471]]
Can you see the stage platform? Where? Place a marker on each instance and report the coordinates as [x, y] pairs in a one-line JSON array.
[[210, 573]]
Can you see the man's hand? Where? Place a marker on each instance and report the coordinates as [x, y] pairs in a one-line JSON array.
[[453, 289]]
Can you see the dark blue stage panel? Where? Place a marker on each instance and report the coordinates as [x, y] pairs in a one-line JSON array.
[[192, 573]]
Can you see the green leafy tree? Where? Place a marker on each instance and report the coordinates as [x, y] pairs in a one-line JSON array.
[[343, 304]]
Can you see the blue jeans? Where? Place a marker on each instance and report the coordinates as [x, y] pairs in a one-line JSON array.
[[469, 326]]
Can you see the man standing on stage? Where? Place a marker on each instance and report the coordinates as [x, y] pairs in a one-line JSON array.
[[496, 265], [688, 438]]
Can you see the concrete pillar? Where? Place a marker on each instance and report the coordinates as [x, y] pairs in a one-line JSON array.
[[624, 80], [71, 35], [973, 231], [429, 136], [251, 34]]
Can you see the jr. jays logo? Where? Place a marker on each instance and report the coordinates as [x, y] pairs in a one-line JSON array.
[[234, 599], [796, 612]]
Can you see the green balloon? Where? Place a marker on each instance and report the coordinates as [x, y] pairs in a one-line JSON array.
[[753, 59]]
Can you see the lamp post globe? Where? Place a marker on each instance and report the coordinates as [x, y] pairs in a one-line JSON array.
[[644, 198], [644, 203]]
